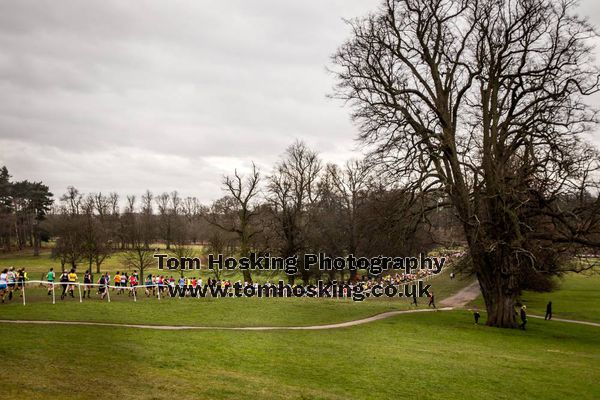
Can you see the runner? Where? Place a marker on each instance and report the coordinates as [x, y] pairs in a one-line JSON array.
[[3, 283], [64, 280], [124, 279], [50, 276], [159, 282], [149, 285], [133, 282], [21, 279], [431, 300], [72, 279], [117, 281], [102, 288], [12, 280], [87, 280]]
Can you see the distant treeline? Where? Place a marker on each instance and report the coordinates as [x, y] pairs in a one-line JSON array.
[[23, 206], [303, 206]]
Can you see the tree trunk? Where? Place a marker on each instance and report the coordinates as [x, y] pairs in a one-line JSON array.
[[245, 252], [497, 277], [36, 240]]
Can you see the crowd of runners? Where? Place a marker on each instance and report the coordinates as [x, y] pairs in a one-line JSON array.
[[11, 281], [65, 283]]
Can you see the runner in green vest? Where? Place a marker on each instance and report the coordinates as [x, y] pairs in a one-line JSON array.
[[50, 277]]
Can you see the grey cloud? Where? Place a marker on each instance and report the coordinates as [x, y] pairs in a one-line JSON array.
[[114, 95]]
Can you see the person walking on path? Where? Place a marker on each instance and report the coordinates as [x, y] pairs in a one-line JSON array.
[[548, 311], [523, 317], [431, 300], [476, 316]]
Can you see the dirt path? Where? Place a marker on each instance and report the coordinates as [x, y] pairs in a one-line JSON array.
[[243, 328], [460, 299], [571, 321], [463, 297]]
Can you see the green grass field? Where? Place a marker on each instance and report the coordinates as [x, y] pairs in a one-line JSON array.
[[438, 355], [577, 297], [209, 311], [432, 355], [38, 267]]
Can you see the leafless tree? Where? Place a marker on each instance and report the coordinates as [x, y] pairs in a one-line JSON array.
[[140, 256], [236, 212], [351, 184], [483, 100], [292, 189]]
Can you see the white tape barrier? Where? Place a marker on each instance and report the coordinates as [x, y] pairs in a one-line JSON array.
[[133, 289]]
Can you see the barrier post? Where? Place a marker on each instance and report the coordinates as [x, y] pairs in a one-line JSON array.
[[23, 292], [158, 291], [134, 298], [79, 290], [53, 294], [108, 292]]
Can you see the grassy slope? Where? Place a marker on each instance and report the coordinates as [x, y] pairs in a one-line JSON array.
[[37, 267], [577, 297], [209, 312], [433, 355]]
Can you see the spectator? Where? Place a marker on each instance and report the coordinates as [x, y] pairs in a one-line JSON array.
[[548, 311], [523, 317]]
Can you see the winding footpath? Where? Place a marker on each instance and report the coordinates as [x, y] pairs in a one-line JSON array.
[[458, 300]]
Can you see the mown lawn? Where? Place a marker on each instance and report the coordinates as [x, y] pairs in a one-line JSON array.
[[38, 267], [577, 297], [212, 311], [209, 312], [428, 356]]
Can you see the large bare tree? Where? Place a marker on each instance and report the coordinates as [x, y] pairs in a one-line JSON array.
[[236, 212], [484, 100], [292, 190]]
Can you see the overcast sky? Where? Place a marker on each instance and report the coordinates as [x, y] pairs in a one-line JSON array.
[[169, 95]]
